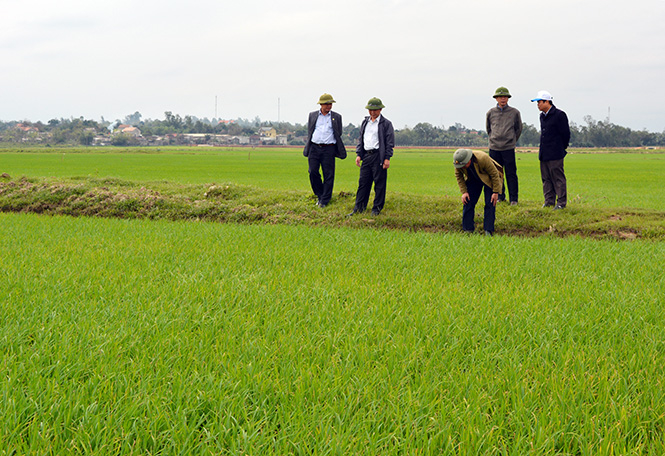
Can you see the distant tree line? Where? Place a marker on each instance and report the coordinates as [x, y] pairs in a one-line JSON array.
[[83, 131], [60, 131], [593, 134]]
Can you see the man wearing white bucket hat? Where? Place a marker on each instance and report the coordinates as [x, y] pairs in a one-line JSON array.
[[554, 140]]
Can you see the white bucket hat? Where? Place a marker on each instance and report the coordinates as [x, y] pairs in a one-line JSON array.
[[543, 95]]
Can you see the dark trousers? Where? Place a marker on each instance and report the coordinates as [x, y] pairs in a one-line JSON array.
[[554, 182], [322, 157], [506, 158], [475, 187], [371, 171]]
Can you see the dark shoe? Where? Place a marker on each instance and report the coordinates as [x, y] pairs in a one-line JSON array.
[[558, 206], [375, 212], [468, 231], [548, 205], [513, 203], [488, 233], [353, 213]]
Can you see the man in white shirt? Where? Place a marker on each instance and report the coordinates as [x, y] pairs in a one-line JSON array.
[[374, 150], [324, 143]]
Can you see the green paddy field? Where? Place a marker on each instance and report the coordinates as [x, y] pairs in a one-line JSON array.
[[225, 315]]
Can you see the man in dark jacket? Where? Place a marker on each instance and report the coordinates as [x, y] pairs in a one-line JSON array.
[[377, 139], [554, 140], [324, 143]]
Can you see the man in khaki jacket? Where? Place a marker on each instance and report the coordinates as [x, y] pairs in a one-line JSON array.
[[477, 172]]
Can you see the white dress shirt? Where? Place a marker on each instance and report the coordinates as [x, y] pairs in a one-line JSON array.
[[323, 132], [371, 136]]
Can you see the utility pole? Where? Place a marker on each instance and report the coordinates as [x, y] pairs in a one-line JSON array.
[[215, 107], [278, 114]]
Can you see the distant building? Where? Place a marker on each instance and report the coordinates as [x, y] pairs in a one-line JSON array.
[[132, 131], [101, 141], [267, 132], [128, 130], [26, 128]]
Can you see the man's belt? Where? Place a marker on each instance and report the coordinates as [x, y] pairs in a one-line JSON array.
[[323, 145], [371, 151]]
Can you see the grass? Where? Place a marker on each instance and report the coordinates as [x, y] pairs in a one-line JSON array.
[[137, 327], [250, 205], [616, 180], [156, 337], [270, 186]]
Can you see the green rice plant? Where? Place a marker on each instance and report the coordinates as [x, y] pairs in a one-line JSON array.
[[158, 337], [626, 179], [228, 202]]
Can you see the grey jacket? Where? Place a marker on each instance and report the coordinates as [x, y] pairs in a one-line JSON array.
[[504, 127]]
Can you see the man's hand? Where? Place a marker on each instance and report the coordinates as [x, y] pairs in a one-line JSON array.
[[357, 160], [494, 199], [465, 198], [386, 164]]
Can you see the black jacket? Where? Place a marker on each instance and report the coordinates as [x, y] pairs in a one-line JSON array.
[[554, 135], [386, 139], [340, 151]]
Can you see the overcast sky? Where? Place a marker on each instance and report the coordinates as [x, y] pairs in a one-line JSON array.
[[436, 61]]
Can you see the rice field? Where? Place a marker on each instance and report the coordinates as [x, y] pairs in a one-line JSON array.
[[622, 179], [161, 337]]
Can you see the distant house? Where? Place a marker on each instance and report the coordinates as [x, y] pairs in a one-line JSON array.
[[267, 132], [26, 128], [101, 141], [282, 140], [128, 130]]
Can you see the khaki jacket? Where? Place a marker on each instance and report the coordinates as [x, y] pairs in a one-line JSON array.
[[489, 171]]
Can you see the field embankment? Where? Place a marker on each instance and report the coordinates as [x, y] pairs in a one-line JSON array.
[[110, 197]]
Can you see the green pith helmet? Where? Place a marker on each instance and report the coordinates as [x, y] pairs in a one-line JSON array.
[[461, 157], [374, 103], [502, 92], [326, 98]]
